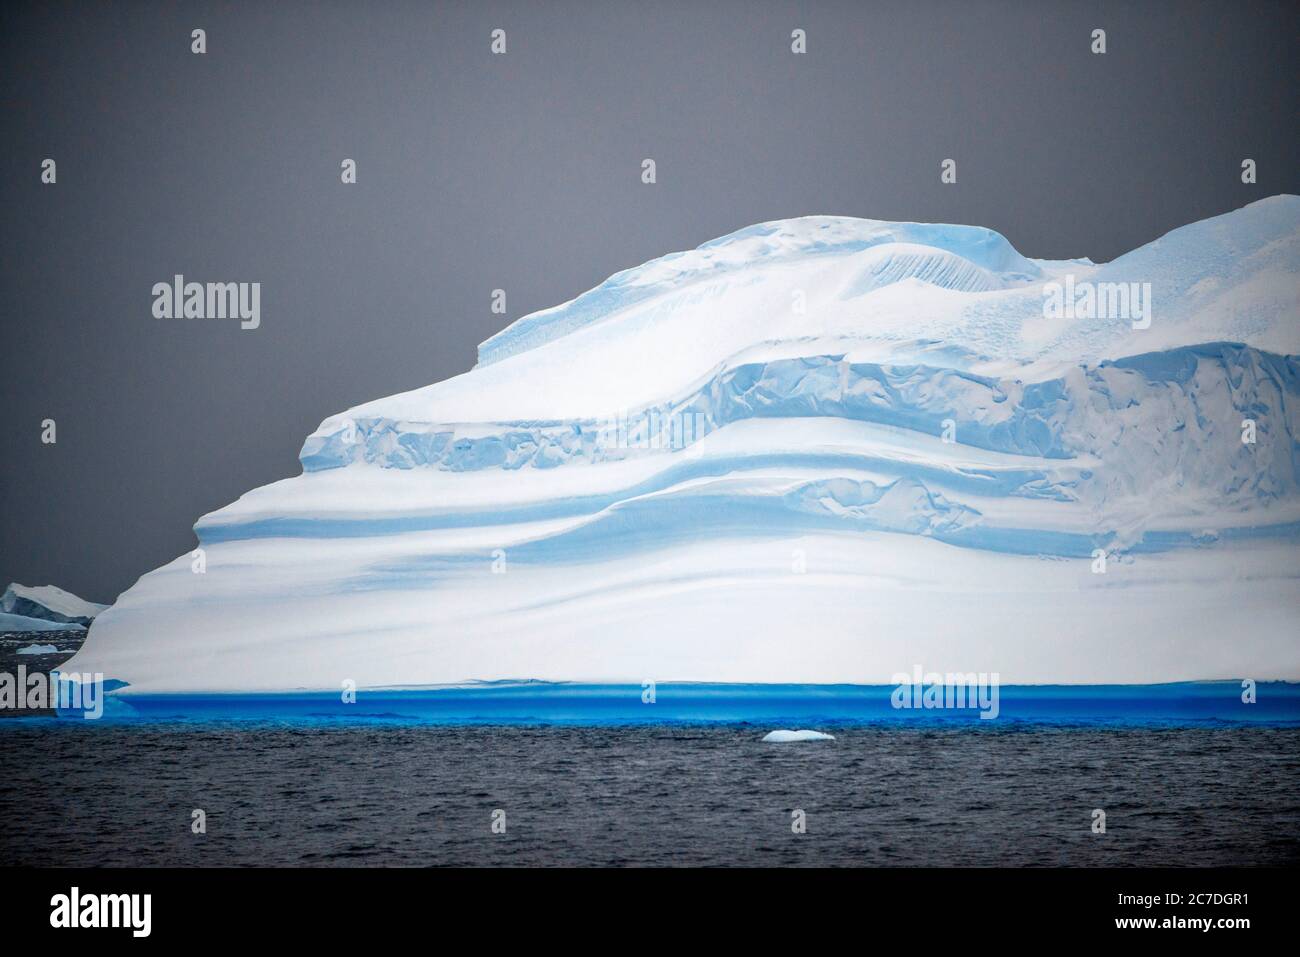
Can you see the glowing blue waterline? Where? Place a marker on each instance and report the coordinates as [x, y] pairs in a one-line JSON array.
[[1186, 704]]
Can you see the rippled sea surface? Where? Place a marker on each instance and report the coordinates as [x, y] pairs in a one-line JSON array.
[[84, 793]]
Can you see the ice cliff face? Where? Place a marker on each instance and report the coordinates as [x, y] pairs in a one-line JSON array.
[[815, 450]]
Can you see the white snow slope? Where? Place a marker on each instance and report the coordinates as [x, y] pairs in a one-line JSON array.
[[816, 450]]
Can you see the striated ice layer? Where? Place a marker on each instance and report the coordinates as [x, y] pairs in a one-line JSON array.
[[822, 450]]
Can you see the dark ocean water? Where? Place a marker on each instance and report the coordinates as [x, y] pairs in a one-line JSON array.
[[94, 793], [1187, 775]]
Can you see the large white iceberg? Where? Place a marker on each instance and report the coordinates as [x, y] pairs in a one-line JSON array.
[[817, 450]]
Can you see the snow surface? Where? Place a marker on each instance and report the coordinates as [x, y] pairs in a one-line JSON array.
[[796, 514], [784, 737]]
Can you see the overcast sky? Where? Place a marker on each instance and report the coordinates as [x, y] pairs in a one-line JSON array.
[[521, 172]]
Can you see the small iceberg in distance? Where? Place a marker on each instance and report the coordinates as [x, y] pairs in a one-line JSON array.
[[38, 650], [783, 736], [46, 604]]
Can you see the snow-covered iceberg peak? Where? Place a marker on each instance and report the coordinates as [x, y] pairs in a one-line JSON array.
[[815, 450], [936, 253]]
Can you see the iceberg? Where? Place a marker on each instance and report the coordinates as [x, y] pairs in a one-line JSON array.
[[819, 451], [37, 650], [49, 604], [787, 737], [22, 623]]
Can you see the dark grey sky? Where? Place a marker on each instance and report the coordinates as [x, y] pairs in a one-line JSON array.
[[521, 172]]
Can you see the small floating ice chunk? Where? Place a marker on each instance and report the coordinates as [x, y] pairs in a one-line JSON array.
[[782, 736], [38, 650]]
